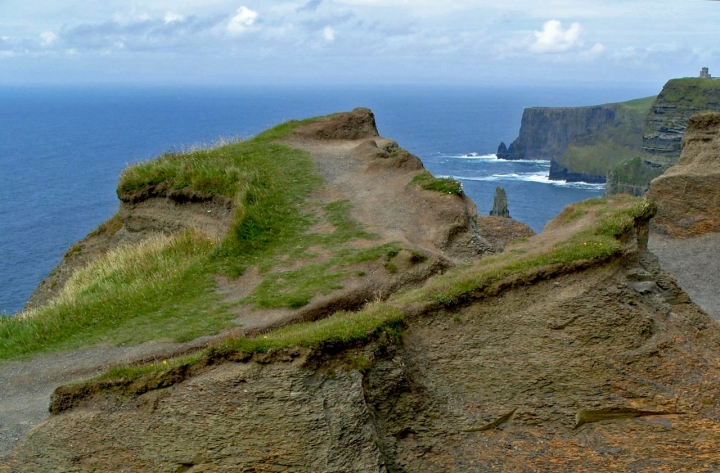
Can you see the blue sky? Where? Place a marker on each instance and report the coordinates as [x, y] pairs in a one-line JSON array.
[[357, 41]]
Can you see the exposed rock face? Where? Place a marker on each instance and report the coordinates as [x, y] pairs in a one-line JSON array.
[[500, 204], [688, 194], [502, 152], [663, 131], [582, 143], [666, 124], [604, 366], [355, 125]]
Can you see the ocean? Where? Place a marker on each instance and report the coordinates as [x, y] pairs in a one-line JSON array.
[[63, 148]]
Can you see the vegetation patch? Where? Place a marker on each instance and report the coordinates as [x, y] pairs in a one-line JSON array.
[[634, 172], [690, 92], [444, 185], [164, 288], [602, 240]]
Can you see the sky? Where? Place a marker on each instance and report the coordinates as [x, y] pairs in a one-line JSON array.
[[498, 42]]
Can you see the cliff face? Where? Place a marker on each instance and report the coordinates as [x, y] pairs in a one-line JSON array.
[[667, 121], [688, 193], [663, 131], [582, 143]]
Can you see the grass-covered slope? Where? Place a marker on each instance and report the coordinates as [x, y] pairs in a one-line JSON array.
[[165, 287], [584, 234]]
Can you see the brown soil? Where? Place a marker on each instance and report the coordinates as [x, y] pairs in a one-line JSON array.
[[580, 370], [688, 194], [500, 231]]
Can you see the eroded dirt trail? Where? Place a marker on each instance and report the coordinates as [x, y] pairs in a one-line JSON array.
[[358, 166], [26, 385]]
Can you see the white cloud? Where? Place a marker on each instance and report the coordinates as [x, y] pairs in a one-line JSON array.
[[244, 19], [553, 39], [47, 38], [329, 33], [170, 17]]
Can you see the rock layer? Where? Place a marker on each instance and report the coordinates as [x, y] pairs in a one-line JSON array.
[[663, 132], [667, 121], [688, 194]]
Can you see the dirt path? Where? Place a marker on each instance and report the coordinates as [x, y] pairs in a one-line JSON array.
[[694, 263], [367, 174], [28, 384]]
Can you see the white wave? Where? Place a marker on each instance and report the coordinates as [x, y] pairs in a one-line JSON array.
[[539, 177], [485, 157], [494, 158]]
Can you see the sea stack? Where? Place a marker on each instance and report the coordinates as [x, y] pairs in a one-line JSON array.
[[503, 152], [500, 204]]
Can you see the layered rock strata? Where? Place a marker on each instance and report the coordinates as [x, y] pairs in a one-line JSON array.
[[688, 193], [663, 132]]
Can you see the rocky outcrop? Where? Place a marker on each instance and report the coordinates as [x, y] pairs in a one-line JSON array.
[[582, 143], [667, 121], [503, 152], [688, 193], [500, 204], [501, 231], [600, 366]]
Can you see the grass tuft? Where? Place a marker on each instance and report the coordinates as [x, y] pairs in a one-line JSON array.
[[444, 185]]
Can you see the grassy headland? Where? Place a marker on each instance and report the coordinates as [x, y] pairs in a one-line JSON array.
[[164, 288]]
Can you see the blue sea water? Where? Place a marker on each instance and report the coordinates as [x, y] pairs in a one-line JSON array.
[[62, 149]]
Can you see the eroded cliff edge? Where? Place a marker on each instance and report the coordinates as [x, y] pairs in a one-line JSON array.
[[576, 333]]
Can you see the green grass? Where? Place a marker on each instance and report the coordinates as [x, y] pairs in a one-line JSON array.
[[601, 240], [642, 105], [154, 290], [165, 288], [444, 185], [295, 288], [690, 93], [634, 172]]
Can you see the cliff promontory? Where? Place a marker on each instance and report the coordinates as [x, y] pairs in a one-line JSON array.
[[353, 319], [582, 143], [663, 131]]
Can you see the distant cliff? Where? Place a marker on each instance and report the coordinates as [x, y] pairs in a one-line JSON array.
[[582, 143], [688, 193], [663, 131]]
